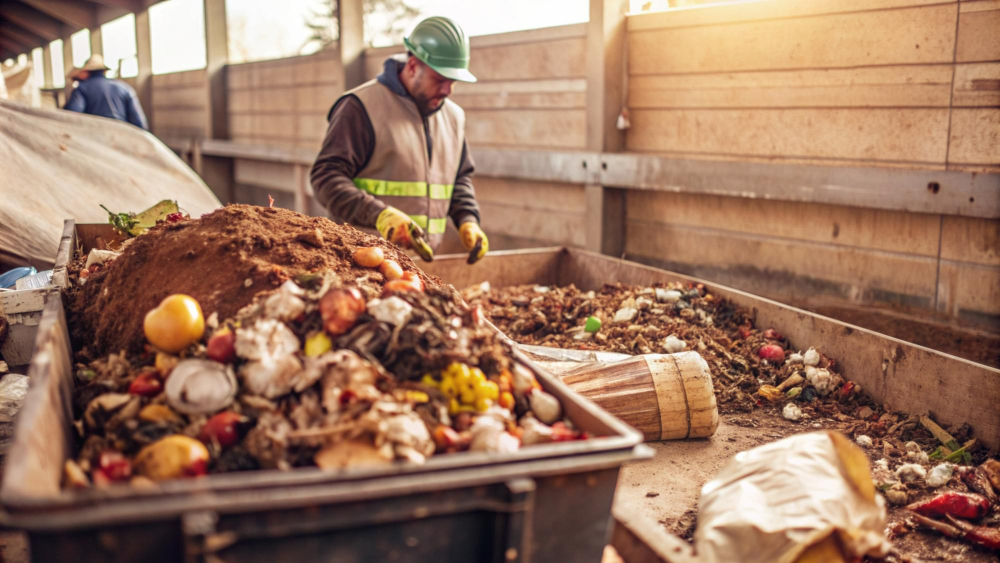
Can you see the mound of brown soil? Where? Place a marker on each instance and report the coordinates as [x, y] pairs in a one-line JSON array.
[[223, 260]]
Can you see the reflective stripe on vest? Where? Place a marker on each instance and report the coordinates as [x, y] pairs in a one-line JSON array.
[[404, 189], [434, 227]]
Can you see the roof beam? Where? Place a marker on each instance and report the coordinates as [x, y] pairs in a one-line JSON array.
[[31, 20], [77, 15], [21, 35], [13, 43], [129, 5]]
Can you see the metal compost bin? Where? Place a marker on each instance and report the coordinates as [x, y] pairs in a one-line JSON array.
[[908, 377], [545, 503]]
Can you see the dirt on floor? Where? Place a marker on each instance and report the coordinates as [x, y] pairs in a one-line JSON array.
[[666, 487]]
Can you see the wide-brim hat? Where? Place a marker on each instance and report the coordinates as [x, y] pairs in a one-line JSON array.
[[95, 62]]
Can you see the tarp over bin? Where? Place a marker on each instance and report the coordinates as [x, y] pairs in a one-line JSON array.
[[58, 164]]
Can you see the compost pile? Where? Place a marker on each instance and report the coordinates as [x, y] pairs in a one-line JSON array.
[[934, 479], [323, 347], [222, 260]]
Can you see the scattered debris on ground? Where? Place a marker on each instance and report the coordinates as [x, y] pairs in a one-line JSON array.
[[757, 371]]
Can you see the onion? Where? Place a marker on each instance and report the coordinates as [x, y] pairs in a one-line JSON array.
[[371, 257], [391, 270], [340, 309], [772, 353]]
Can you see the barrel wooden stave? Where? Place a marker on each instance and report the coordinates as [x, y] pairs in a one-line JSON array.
[[665, 396]]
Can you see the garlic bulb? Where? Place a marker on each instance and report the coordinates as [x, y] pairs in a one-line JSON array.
[[200, 386]]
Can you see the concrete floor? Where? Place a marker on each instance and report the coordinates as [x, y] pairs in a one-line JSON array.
[[663, 488]]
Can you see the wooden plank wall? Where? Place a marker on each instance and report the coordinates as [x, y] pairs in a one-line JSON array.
[[531, 94], [897, 83], [283, 102], [180, 105], [873, 83]]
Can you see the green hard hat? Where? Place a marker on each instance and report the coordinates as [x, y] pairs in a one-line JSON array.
[[442, 45]]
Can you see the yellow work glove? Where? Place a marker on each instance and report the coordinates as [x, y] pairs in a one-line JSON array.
[[394, 226], [397, 228], [474, 240]]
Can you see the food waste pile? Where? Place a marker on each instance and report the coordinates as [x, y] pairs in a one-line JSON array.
[[934, 479], [261, 338]]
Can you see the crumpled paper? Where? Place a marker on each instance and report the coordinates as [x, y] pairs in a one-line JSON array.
[[776, 502]]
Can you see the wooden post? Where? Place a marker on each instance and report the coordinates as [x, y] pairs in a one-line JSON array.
[[301, 176], [216, 172], [144, 56], [67, 66], [96, 41], [606, 38], [216, 59], [47, 65], [350, 15], [67, 55]]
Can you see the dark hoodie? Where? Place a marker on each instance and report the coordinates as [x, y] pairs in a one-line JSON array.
[[349, 143]]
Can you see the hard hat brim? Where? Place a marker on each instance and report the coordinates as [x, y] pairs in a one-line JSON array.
[[459, 74]]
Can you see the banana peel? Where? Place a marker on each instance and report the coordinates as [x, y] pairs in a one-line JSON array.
[[474, 254], [419, 244], [135, 224]]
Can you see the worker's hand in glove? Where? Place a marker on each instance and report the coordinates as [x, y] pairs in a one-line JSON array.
[[398, 228], [474, 240], [394, 226]]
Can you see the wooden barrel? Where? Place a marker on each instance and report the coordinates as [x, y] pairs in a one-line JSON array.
[[665, 396]]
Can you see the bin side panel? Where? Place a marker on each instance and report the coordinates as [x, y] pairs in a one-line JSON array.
[[42, 435], [908, 377], [456, 538], [510, 268], [572, 521], [146, 543]]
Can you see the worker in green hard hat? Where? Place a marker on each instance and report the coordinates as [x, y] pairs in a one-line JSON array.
[[395, 157]]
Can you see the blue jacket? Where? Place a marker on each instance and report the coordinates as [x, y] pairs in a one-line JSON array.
[[107, 98]]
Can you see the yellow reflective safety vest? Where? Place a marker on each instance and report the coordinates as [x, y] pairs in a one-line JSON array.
[[399, 171]]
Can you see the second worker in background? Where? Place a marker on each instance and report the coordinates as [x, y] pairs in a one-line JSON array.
[[395, 156]]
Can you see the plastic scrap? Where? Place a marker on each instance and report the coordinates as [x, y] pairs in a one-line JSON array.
[[784, 499], [673, 345], [791, 412], [910, 472], [940, 475], [13, 388]]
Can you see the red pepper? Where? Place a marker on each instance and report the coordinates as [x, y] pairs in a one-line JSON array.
[[846, 390], [985, 537], [224, 428], [446, 437], [978, 535], [114, 466], [222, 347], [562, 433], [175, 217], [146, 385], [959, 505], [197, 468]]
